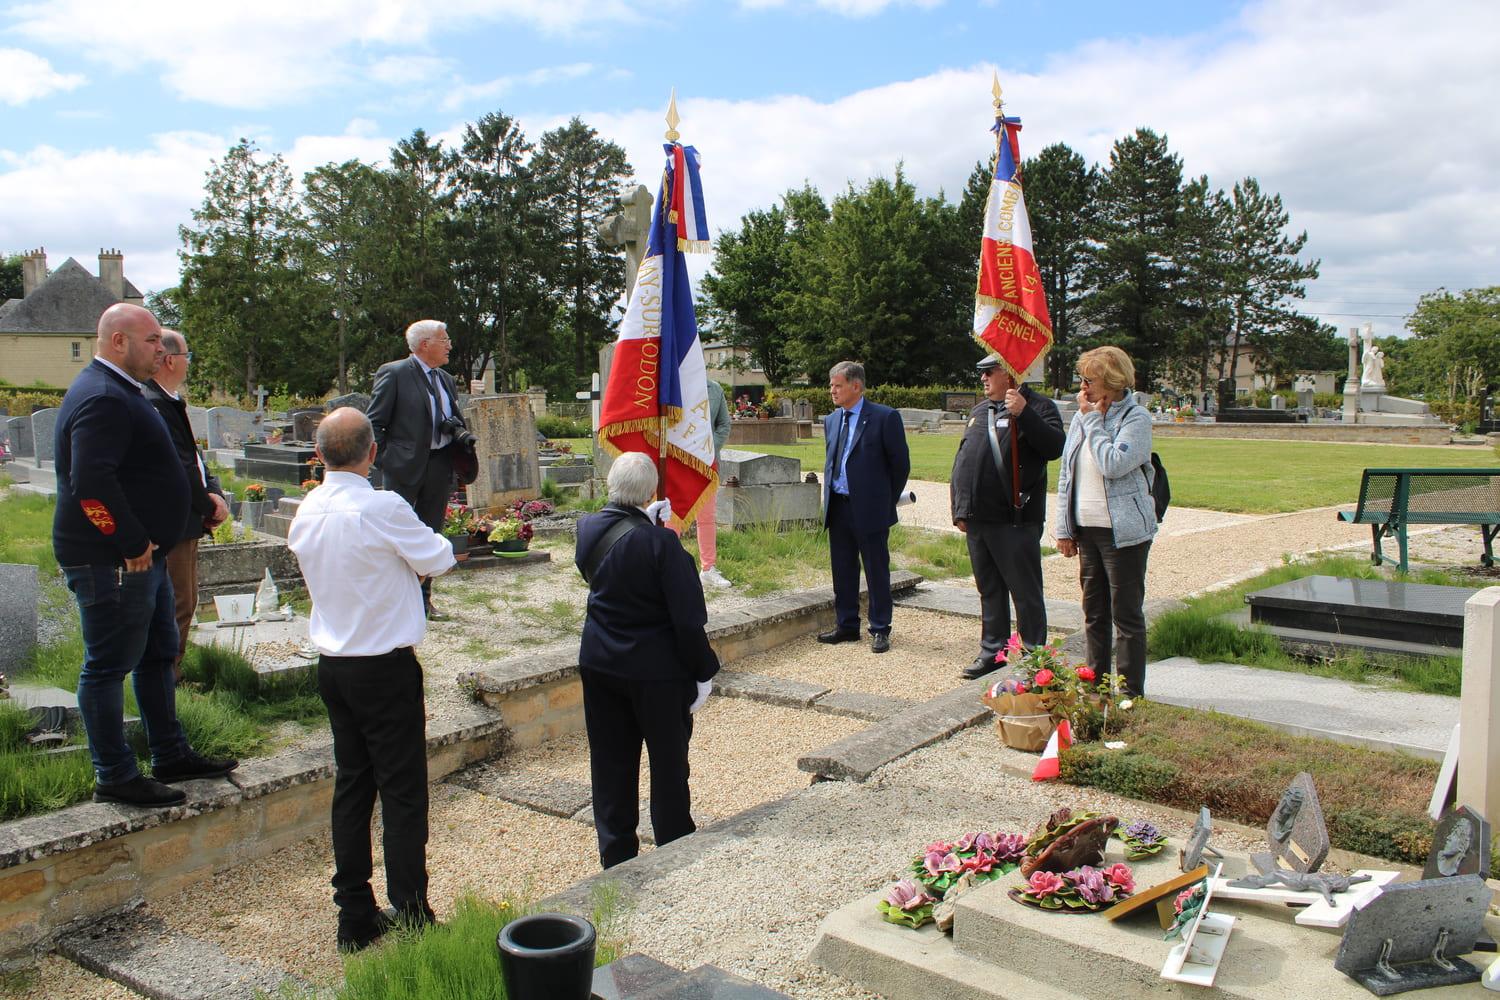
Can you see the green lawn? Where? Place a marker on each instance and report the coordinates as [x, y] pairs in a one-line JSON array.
[[1250, 477]]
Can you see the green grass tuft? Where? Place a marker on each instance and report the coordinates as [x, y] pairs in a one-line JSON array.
[[32, 781]]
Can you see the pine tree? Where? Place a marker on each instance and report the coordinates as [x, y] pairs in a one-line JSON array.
[[1202, 261], [1060, 193], [581, 174], [1131, 273], [338, 204]]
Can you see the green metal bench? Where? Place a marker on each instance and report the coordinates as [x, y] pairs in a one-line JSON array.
[[1392, 499]]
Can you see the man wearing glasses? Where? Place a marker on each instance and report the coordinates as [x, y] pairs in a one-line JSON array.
[[206, 506], [419, 430], [1005, 541]]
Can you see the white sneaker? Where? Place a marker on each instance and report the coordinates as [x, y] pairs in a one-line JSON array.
[[711, 577]]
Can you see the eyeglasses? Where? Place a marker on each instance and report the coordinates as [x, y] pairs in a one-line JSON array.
[[181, 354], [1084, 381]]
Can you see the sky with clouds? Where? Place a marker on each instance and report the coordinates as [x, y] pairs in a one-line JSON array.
[[1374, 120]]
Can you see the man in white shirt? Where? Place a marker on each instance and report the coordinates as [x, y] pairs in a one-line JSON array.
[[364, 553]]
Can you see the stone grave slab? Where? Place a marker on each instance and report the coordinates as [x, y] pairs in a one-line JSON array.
[[281, 463], [359, 400], [1385, 609], [506, 449], [44, 433], [19, 594], [632, 977], [1460, 846], [198, 421], [926, 420], [1411, 935], [229, 427], [1296, 832], [753, 468], [279, 651], [21, 444]]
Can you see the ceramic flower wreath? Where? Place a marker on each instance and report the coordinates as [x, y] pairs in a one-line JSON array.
[[907, 903], [1084, 890], [1142, 840], [982, 856]]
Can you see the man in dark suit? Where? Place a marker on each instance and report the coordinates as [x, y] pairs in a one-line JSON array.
[[414, 411], [1005, 541], [206, 506], [865, 466], [645, 661]]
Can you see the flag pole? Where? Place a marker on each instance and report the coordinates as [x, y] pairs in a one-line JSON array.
[[1015, 425], [672, 135]]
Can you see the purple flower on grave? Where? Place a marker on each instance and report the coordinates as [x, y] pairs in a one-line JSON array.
[[1010, 846], [966, 843], [1142, 831], [1091, 885], [908, 895]]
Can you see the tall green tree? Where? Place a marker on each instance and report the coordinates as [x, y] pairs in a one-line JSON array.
[[1454, 350], [247, 300], [1130, 299], [11, 284], [340, 222], [744, 296], [1263, 275], [1060, 198], [581, 175], [495, 230], [1201, 259]]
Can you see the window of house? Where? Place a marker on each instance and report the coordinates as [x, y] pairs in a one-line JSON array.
[[77, 350]]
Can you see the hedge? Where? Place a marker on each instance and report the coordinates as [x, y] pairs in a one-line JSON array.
[[18, 401]]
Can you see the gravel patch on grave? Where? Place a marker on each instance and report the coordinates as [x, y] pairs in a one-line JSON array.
[[927, 652], [56, 978], [753, 905]]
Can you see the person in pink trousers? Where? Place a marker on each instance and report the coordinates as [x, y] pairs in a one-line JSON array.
[[708, 526]]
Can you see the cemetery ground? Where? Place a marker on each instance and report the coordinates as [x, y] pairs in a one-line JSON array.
[[751, 902]]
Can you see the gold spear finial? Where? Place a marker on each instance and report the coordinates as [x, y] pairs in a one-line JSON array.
[[995, 89], [673, 118]]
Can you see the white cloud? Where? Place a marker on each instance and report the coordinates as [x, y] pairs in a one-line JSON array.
[[848, 8], [464, 95], [26, 76], [270, 54]]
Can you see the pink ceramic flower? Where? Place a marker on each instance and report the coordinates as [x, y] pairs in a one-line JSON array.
[[1043, 884], [908, 895], [965, 843], [938, 862], [1043, 677], [1086, 674], [941, 846], [982, 863], [1121, 877]]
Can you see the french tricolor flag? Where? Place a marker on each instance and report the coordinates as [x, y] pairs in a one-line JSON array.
[[657, 380], [1049, 766], [1010, 307]]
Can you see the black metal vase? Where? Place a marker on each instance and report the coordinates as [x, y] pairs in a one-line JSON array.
[[547, 956]]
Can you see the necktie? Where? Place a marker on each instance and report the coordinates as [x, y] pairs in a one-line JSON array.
[[838, 448], [437, 407]]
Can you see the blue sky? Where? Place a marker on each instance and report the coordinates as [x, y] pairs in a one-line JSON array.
[[1367, 117]]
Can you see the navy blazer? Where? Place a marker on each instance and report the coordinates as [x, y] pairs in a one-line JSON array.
[[401, 416], [877, 468], [646, 615]]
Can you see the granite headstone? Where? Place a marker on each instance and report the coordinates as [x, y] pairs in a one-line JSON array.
[[232, 428], [19, 595], [44, 433], [1296, 832], [1410, 936], [305, 424], [506, 449], [20, 437], [359, 400], [198, 421]]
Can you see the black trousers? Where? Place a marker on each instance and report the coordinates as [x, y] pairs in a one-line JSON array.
[[429, 498], [1114, 594], [846, 550], [620, 715], [375, 708], [1007, 562]]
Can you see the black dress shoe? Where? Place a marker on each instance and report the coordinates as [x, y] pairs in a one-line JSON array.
[[140, 791], [192, 766], [436, 614], [880, 642], [982, 665], [839, 635], [358, 935]]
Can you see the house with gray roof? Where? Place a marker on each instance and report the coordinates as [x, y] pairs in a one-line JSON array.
[[47, 335]]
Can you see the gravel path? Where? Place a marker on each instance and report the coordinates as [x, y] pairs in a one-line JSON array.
[[56, 978]]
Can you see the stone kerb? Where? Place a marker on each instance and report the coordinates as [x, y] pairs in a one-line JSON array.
[[88, 860], [540, 696], [230, 569]]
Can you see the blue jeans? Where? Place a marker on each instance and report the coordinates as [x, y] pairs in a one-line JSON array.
[[129, 627]]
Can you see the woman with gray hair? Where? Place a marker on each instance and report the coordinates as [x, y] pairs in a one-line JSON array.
[[1106, 515], [645, 660]]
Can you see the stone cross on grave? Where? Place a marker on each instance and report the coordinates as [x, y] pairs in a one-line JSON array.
[[260, 400], [594, 395], [630, 228]]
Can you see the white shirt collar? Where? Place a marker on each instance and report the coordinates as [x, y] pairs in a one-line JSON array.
[[426, 368], [120, 372]]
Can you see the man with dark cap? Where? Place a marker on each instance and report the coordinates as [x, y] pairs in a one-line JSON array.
[[1005, 540]]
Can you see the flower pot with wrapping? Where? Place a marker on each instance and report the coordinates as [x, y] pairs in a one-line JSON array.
[[511, 546], [254, 512]]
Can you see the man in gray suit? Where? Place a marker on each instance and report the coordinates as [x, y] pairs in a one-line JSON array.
[[419, 430]]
